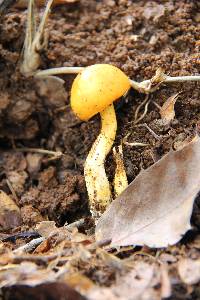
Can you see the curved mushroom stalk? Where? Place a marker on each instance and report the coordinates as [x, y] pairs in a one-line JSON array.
[[95, 176]]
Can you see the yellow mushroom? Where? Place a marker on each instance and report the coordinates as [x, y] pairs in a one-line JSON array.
[[93, 91]]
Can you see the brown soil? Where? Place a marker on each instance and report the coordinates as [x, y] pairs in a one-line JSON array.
[[137, 36]]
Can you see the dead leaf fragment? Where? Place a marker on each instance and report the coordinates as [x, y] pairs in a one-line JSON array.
[[156, 207], [189, 270], [10, 216], [167, 111]]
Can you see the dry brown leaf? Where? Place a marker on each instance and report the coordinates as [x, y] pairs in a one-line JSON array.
[[156, 207], [10, 216], [189, 270], [167, 111]]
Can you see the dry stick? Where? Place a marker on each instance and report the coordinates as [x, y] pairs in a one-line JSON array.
[[133, 144], [157, 105], [157, 137], [34, 243], [140, 105], [29, 246], [136, 144], [76, 224], [42, 151], [168, 79]]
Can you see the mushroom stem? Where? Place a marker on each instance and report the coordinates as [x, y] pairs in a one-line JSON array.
[[95, 176]]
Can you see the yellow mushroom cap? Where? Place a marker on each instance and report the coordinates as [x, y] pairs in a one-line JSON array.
[[95, 88]]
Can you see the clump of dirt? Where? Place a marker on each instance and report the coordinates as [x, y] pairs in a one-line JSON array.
[[137, 36]]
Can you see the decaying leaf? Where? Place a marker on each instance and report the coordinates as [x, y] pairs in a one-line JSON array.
[[156, 207], [189, 270], [167, 111], [10, 216]]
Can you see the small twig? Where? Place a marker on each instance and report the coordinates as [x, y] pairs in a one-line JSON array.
[[157, 137], [133, 144], [144, 113], [170, 79], [136, 144], [140, 105], [157, 105], [29, 246], [76, 224], [146, 85], [56, 154]]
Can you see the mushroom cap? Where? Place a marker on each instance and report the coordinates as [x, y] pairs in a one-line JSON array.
[[95, 88]]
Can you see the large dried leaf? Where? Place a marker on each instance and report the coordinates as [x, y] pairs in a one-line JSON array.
[[156, 207]]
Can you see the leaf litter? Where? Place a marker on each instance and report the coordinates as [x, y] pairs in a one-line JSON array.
[[156, 208], [99, 268], [66, 257]]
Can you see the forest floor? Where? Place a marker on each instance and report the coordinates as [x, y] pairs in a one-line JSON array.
[[138, 37]]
